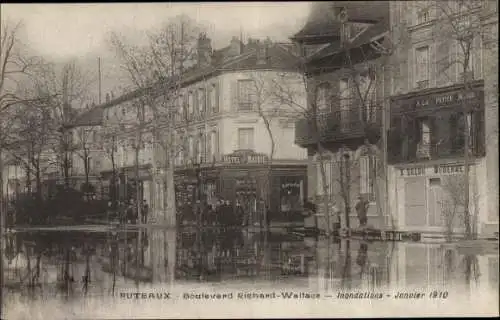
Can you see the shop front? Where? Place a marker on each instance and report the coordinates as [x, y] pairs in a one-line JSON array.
[[430, 197]]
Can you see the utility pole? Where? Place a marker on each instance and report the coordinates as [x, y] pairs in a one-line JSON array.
[[99, 77]]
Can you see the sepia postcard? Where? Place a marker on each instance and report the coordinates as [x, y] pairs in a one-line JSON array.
[[333, 159]]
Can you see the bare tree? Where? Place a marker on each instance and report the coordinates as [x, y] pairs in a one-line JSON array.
[[110, 144], [85, 145], [460, 26], [34, 131], [453, 204], [157, 72], [358, 98]]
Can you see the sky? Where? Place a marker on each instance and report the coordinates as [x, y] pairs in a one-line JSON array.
[[63, 31]]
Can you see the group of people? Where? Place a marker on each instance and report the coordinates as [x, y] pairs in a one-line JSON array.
[[361, 208], [127, 211], [222, 212]]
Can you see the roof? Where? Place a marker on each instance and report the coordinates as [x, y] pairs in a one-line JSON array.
[[322, 22], [280, 56], [372, 33]]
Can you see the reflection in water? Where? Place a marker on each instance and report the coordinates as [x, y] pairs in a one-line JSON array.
[[89, 265]]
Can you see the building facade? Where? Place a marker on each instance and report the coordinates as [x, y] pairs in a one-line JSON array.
[[225, 110], [444, 84], [343, 44]]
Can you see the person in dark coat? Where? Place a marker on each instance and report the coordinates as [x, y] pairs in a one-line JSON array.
[[145, 211], [362, 209]]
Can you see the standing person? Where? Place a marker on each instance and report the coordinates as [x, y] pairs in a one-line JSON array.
[[145, 211], [362, 209], [336, 217]]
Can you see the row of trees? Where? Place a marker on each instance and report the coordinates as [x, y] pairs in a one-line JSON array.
[[38, 98]]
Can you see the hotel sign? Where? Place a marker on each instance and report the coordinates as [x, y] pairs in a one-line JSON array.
[[442, 169]]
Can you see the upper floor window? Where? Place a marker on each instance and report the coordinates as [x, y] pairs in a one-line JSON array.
[[190, 147], [246, 139], [322, 96], [202, 101], [344, 93], [422, 67], [190, 102], [213, 145], [246, 94], [213, 99], [423, 15]]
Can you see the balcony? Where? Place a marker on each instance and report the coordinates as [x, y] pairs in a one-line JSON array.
[[401, 150], [345, 127]]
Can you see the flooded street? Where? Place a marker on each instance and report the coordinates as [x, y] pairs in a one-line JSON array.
[[79, 274]]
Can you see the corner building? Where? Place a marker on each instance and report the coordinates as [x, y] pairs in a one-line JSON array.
[[432, 97]]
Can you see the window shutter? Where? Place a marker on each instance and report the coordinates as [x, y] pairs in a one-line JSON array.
[[209, 95], [234, 96], [217, 97], [195, 101]]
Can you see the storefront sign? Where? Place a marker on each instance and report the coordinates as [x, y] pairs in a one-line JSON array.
[[432, 170], [414, 171], [457, 168], [446, 99]]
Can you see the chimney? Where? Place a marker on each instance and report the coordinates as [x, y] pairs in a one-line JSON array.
[[262, 48], [235, 47], [204, 50]]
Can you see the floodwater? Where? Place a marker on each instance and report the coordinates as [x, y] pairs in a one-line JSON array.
[[214, 272]]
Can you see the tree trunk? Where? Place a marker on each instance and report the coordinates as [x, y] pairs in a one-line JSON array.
[[467, 224]]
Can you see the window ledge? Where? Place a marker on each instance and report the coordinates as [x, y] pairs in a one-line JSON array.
[[421, 25]]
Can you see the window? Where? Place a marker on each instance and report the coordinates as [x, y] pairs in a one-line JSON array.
[[424, 145], [344, 93], [199, 149], [322, 96], [202, 101], [190, 103], [246, 94], [368, 177], [213, 99], [245, 139], [214, 143], [190, 147], [423, 15], [422, 67]]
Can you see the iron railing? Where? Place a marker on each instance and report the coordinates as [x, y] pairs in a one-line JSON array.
[[341, 125]]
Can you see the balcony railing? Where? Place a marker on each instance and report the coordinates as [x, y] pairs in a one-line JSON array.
[[336, 126]]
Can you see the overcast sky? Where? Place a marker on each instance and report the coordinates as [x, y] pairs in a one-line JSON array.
[[60, 31]]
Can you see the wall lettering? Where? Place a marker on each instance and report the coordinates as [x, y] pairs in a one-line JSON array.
[[416, 171]]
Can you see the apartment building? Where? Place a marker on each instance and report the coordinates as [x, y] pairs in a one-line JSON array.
[[219, 128], [438, 87], [343, 43]]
